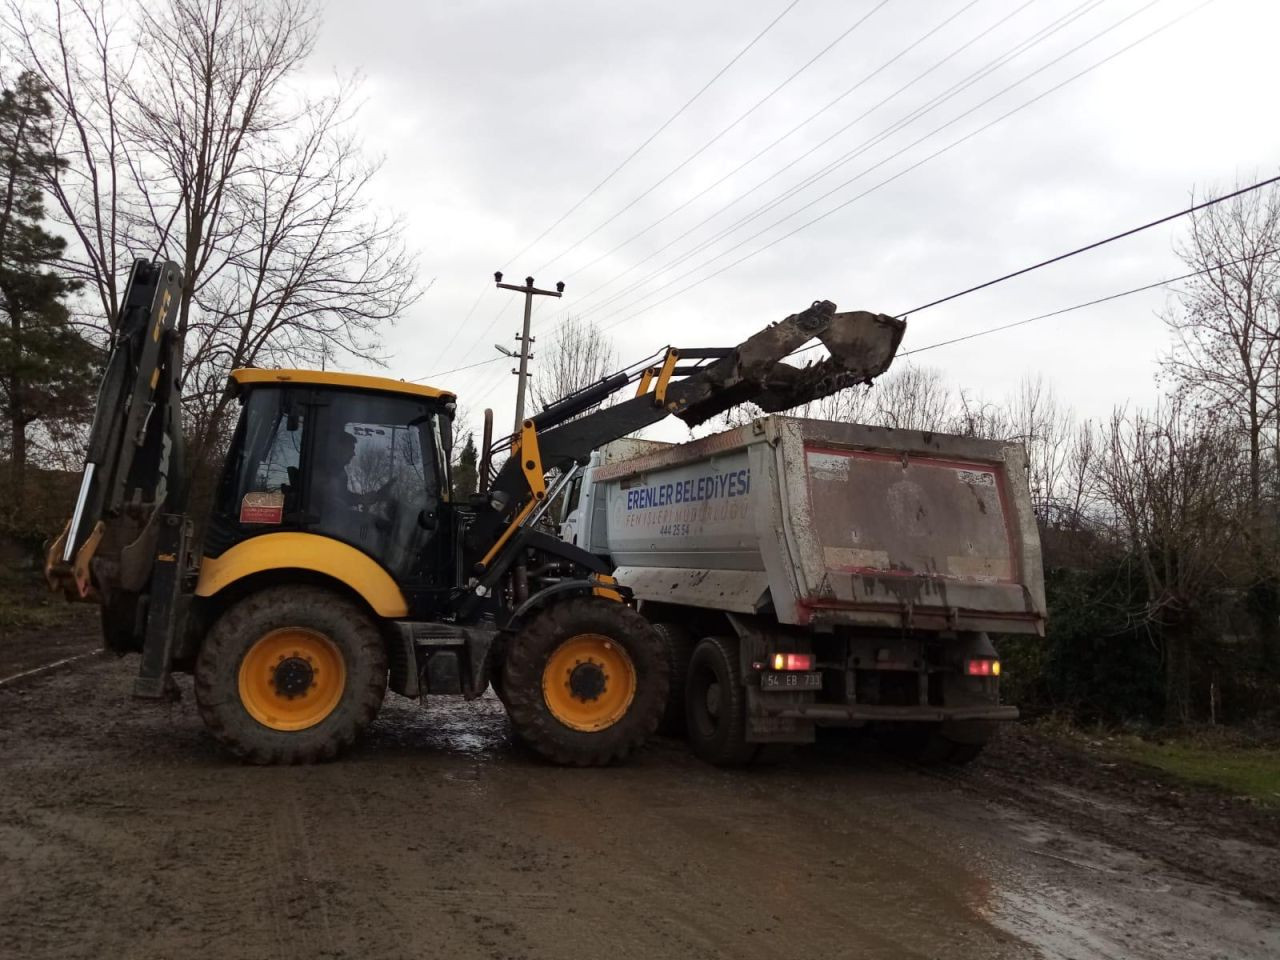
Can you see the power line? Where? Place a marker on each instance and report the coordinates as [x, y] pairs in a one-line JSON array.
[[900, 124], [631, 156], [888, 180], [445, 373], [649, 139], [1081, 306], [687, 160], [1098, 243], [813, 116], [462, 326]]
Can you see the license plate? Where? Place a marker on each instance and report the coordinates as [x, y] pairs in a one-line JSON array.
[[790, 680]]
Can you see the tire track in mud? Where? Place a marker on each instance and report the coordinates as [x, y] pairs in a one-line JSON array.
[[1215, 839]]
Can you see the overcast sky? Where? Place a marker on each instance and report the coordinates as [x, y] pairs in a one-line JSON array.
[[495, 118]]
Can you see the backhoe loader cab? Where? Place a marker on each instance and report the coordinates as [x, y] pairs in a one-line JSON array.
[[334, 565], [361, 462]]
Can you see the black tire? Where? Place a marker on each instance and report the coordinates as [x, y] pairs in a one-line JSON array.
[[340, 620], [716, 704], [528, 653], [679, 644]]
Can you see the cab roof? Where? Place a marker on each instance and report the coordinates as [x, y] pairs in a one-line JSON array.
[[324, 378]]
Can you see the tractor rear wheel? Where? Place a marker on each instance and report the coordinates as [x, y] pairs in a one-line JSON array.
[[290, 675], [585, 681]]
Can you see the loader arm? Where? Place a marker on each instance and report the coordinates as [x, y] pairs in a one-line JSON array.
[[692, 384]]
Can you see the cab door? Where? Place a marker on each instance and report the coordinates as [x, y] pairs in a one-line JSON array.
[[376, 480]]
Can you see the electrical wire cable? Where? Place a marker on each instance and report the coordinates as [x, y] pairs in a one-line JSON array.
[[1027, 43], [1095, 245], [715, 139], [804, 123], [866, 145], [445, 373], [1036, 38], [614, 172], [914, 166], [1071, 309], [463, 325], [653, 136]]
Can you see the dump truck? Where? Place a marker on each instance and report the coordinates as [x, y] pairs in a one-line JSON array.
[[806, 573], [333, 562]]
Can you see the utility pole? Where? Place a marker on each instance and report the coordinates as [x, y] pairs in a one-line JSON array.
[[529, 291]]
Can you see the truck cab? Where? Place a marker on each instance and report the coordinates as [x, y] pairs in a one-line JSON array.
[[578, 523]]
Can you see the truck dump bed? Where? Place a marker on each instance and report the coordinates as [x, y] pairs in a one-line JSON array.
[[829, 523]]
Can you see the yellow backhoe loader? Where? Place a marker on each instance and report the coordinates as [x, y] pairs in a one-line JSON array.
[[334, 563]]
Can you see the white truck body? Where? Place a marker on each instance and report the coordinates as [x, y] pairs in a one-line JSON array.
[[886, 555], [824, 523]]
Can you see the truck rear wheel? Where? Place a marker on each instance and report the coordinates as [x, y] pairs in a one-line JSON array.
[[290, 675], [679, 644], [716, 704], [585, 682]]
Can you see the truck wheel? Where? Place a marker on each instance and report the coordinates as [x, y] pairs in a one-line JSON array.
[[585, 681], [679, 643], [290, 675], [716, 704]]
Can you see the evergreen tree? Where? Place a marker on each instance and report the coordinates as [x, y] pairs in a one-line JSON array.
[[47, 370]]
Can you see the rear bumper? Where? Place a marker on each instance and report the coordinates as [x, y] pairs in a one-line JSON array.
[[866, 711]]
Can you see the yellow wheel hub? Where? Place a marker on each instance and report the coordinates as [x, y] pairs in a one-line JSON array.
[[589, 682], [292, 678]]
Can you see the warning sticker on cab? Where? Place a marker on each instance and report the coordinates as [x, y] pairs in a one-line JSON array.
[[262, 508]]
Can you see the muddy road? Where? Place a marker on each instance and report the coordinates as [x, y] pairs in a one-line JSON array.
[[123, 833]]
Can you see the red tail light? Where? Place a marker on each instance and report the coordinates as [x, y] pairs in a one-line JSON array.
[[982, 668], [793, 661]]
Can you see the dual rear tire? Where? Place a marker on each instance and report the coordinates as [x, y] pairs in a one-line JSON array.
[[715, 704]]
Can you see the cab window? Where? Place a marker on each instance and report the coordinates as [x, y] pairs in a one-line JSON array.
[[374, 479], [260, 487]]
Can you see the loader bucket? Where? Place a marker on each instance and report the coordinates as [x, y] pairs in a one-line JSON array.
[[861, 345]]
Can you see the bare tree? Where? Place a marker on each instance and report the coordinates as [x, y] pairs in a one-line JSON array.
[[576, 356], [185, 140], [1175, 479], [1226, 324], [914, 398]]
